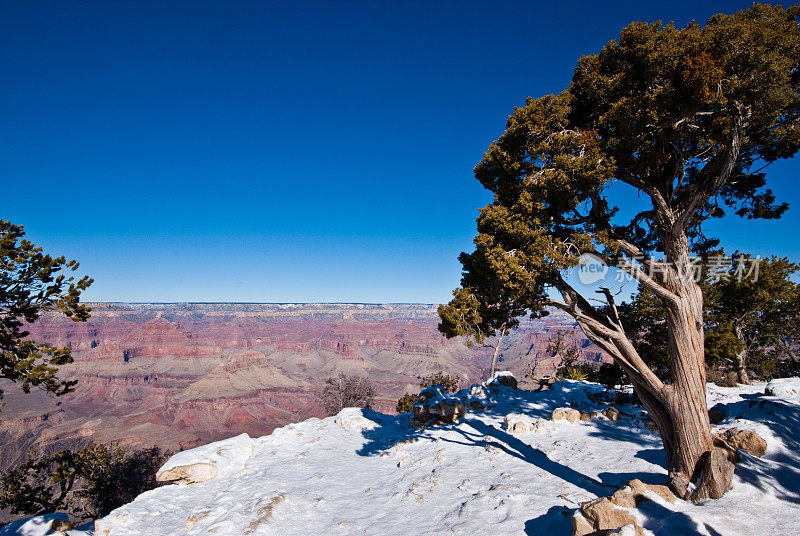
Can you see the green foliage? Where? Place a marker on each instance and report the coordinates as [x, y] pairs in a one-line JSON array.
[[31, 283], [449, 383], [406, 403], [86, 483]]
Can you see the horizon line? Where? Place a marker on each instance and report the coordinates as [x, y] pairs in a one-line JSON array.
[[252, 303]]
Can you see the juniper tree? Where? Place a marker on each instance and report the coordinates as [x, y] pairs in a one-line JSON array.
[[31, 283], [686, 118]]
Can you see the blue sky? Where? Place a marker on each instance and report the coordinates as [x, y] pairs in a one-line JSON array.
[[265, 151]]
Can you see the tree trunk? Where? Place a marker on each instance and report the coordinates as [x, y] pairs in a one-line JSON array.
[[741, 359], [496, 352], [681, 412], [678, 408]]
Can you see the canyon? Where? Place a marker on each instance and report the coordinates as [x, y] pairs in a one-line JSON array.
[[185, 374]]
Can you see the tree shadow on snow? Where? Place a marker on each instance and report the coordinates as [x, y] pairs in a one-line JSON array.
[[390, 433], [557, 520]]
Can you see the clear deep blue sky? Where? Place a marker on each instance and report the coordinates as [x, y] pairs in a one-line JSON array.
[[285, 151]]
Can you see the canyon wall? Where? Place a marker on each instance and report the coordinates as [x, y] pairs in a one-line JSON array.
[[180, 375]]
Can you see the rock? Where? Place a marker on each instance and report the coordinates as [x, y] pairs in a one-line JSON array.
[[518, 424], [716, 414], [612, 413], [585, 416], [207, 462], [746, 440], [788, 388], [594, 414], [435, 406], [719, 442], [634, 493], [581, 527], [193, 473], [639, 488], [503, 378], [716, 475], [607, 514], [568, 414], [679, 483], [61, 525], [602, 514], [476, 397]]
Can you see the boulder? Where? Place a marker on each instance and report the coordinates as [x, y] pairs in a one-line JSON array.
[[503, 378], [545, 384], [788, 388], [580, 526], [716, 414], [608, 515], [627, 530], [634, 493], [602, 514], [716, 474], [746, 440], [612, 413], [518, 424], [585, 416], [435, 406], [476, 397], [568, 414], [719, 442], [207, 462]]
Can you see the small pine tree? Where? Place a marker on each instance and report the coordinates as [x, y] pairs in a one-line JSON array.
[[406, 403]]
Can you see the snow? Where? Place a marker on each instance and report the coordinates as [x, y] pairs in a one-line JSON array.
[[362, 472], [221, 458], [784, 388]]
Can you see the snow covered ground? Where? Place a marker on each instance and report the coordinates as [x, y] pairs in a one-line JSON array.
[[362, 472]]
